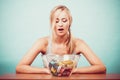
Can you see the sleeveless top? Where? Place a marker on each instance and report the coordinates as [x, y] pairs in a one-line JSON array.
[[49, 52], [44, 57]]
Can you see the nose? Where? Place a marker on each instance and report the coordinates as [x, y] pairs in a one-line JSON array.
[[60, 24]]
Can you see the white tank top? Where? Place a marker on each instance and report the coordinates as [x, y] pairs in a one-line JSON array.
[[49, 52], [44, 57]]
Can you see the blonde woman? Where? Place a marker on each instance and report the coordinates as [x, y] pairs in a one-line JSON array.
[[60, 42]]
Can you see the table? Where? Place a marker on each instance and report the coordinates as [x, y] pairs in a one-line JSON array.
[[50, 77]]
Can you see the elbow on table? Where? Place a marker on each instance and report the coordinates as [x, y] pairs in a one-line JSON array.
[[103, 69], [18, 69]]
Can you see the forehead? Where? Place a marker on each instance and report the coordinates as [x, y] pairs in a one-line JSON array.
[[61, 14]]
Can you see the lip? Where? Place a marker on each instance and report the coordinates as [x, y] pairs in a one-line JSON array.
[[60, 29]]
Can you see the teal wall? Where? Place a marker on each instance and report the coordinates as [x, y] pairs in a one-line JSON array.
[[22, 22]]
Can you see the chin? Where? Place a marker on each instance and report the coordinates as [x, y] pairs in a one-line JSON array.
[[60, 34]]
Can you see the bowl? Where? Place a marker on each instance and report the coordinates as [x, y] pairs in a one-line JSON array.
[[62, 65]]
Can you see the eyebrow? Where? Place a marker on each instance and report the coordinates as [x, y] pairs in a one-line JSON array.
[[62, 18]]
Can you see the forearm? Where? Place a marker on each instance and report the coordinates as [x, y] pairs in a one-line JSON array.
[[30, 69], [90, 69]]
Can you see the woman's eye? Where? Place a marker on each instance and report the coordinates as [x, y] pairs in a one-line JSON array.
[[57, 21], [64, 20]]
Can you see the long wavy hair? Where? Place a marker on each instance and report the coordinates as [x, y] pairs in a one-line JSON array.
[[70, 42]]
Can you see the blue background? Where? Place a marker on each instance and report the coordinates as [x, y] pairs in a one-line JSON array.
[[22, 22]]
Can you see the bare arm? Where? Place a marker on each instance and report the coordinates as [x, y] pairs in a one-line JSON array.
[[24, 65], [96, 65]]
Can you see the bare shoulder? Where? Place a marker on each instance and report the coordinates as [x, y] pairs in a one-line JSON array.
[[43, 40], [78, 41], [41, 44], [79, 45]]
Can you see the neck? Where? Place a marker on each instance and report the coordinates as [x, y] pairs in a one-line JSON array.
[[60, 39]]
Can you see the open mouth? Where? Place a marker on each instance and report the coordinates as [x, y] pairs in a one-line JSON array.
[[60, 29]]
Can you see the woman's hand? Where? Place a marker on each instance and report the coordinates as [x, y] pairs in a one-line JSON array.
[[47, 70]]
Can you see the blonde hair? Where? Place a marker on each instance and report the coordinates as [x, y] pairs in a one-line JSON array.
[[70, 42]]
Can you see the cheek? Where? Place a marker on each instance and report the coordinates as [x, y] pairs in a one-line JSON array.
[[67, 26], [55, 27]]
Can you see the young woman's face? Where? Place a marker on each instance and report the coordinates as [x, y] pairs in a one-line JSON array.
[[61, 19]]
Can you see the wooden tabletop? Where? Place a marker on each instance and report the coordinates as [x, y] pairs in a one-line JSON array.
[[50, 77]]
